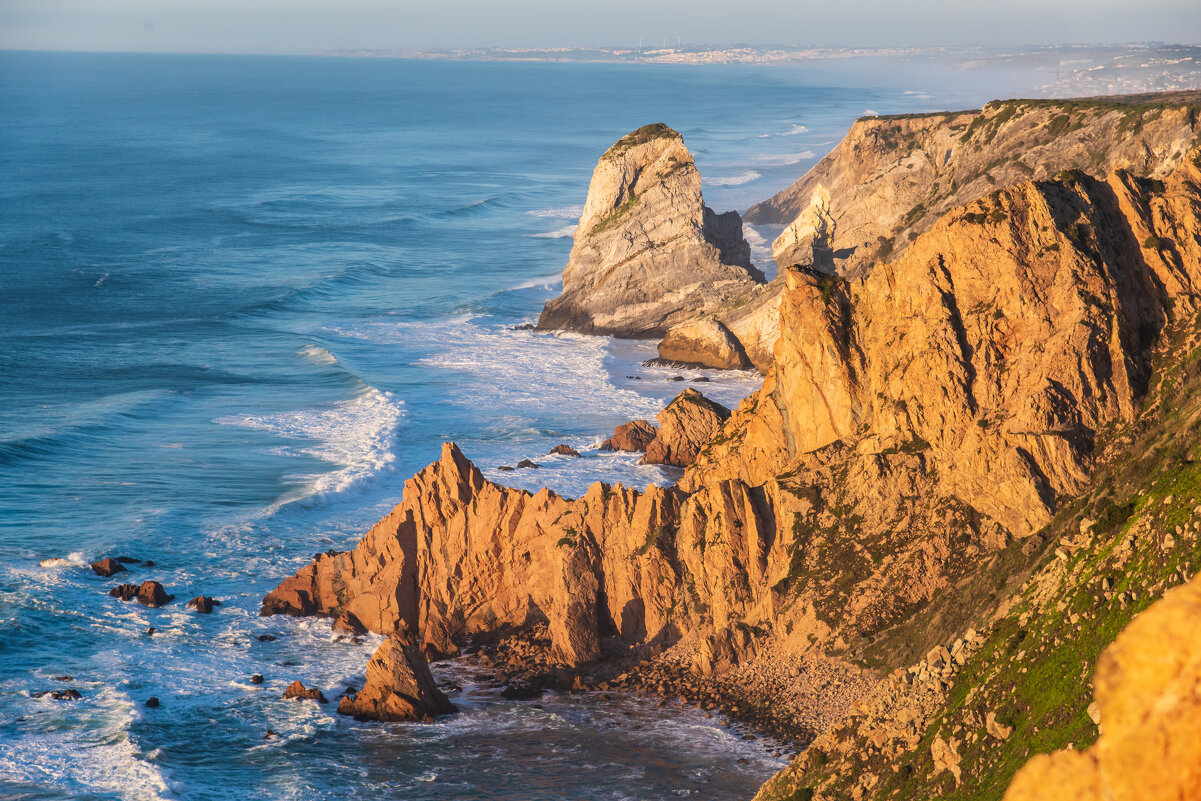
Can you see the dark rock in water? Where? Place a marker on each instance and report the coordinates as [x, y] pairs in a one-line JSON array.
[[150, 631], [129, 560], [526, 464], [701, 379], [58, 695], [298, 690], [524, 327], [148, 563], [152, 594], [634, 437], [399, 685], [257, 678], [125, 592], [676, 378], [347, 623], [107, 567], [64, 678], [266, 638], [505, 467], [522, 691], [152, 701], [563, 450], [203, 603], [269, 734]]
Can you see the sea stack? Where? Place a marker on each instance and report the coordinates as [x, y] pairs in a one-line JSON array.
[[648, 253]]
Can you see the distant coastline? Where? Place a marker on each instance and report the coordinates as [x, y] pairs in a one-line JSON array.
[[1073, 70]]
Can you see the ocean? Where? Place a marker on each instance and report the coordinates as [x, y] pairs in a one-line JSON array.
[[241, 300]]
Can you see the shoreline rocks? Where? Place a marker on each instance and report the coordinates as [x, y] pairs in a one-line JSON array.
[[399, 686], [148, 593], [702, 343], [296, 690]]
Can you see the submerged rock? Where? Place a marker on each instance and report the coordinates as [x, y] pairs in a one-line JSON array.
[[399, 686], [58, 695]]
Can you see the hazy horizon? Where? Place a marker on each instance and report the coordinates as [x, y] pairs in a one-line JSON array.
[[306, 26]]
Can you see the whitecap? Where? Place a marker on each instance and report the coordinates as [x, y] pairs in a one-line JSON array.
[[358, 435], [558, 233], [564, 213], [318, 355], [735, 180], [794, 130], [784, 159]]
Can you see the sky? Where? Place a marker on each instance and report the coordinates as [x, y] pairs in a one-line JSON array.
[[307, 26]]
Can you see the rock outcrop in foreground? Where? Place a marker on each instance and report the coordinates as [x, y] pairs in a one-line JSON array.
[[648, 252], [1148, 688]]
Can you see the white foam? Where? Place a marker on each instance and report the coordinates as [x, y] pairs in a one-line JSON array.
[[358, 435], [318, 355], [85, 746], [74, 559], [794, 130], [784, 159], [736, 180], [558, 233], [564, 213], [546, 282]]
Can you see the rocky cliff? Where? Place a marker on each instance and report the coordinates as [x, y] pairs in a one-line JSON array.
[[648, 252], [892, 178], [966, 469]]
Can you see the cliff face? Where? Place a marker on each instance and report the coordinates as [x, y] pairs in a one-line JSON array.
[[993, 350], [892, 178], [648, 253]]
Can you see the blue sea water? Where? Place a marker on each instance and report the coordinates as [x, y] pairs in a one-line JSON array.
[[241, 300]]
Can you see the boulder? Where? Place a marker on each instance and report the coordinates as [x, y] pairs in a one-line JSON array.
[[126, 592], [203, 603], [107, 567], [633, 436], [648, 253], [563, 450], [152, 702], [399, 686], [702, 343], [526, 464], [347, 623], [152, 594], [58, 695], [686, 425], [298, 691]]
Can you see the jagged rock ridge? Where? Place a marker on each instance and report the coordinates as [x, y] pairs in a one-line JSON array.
[[892, 178]]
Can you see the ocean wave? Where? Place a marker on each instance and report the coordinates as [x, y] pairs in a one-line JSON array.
[[736, 180], [540, 282], [564, 213], [784, 159], [358, 435], [558, 233], [794, 130]]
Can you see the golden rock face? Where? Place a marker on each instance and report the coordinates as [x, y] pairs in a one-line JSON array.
[[1148, 688]]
